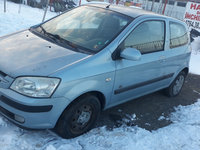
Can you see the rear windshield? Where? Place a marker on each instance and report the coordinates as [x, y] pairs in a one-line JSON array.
[[88, 28]]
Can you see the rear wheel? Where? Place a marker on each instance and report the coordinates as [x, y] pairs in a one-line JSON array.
[[175, 88], [79, 117]]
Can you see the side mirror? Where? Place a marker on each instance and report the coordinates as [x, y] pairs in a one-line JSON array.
[[131, 54]]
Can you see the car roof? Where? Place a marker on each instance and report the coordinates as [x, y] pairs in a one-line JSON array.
[[132, 12]]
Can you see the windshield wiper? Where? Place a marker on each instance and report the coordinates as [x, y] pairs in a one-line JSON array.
[[43, 30], [74, 46], [57, 39]]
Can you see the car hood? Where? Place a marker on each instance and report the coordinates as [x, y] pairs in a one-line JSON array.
[[24, 53]]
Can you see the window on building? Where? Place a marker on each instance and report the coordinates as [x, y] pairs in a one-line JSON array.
[[181, 4], [171, 2]]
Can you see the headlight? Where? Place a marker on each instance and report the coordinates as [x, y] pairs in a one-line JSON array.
[[35, 86]]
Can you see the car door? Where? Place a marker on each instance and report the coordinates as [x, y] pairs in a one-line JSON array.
[[177, 52], [136, 78]]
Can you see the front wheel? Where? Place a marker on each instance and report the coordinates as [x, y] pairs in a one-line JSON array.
[[175, 88], [79, 117]]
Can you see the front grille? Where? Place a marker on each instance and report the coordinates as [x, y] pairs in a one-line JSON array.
[[25, 108], [7, 113]]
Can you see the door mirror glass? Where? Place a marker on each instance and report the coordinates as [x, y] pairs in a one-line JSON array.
[[131, 54]]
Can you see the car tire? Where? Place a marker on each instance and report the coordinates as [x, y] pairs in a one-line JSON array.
[[79, 117], [176, 86]]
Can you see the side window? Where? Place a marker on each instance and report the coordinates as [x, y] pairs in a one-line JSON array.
[[147, 37], [178, 35]]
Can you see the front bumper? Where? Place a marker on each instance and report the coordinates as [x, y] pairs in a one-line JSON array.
[[33, 113]]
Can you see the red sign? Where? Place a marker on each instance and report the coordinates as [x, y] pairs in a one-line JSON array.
[[192, 15]]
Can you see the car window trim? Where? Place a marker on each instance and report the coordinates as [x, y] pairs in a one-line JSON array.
[[148, 21], [179, 45], [115, 53]]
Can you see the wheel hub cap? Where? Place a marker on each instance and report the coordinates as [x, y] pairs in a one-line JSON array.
[[81, 117], [178, 85], [84, 117]]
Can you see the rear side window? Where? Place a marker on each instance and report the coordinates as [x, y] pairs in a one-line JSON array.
[[178, 35], [147, 37]]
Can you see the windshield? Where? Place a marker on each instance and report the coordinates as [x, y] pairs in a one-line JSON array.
[[88, 28]]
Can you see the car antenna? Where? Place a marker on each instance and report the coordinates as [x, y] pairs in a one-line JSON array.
[[108, 6]]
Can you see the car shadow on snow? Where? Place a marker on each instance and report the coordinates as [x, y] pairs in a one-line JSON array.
[[152, 111]]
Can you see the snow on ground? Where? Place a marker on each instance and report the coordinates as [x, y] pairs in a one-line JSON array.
[[182, 134], [12, 21], [195, 57]]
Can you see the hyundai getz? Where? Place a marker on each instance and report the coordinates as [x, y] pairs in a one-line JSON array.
[[61, 73]]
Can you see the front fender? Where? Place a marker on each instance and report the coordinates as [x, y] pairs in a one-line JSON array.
[[102, 83]]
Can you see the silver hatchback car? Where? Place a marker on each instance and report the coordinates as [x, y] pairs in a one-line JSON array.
[[60, 74]]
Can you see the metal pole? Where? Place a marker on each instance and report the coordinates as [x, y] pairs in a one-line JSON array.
[[4, 6], [152, 5], [45, 12], [164, 7], [146, 4], [20, 3]]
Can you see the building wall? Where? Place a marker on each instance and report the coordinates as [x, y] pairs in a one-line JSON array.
[[172, 10]]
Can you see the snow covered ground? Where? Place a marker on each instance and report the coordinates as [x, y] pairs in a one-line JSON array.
[[182, 134], [195, 57], [12, 21]]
